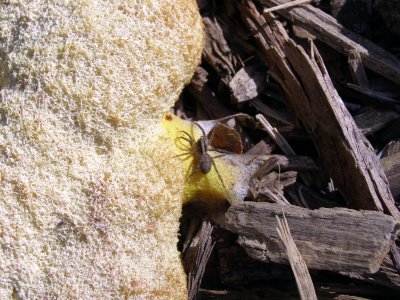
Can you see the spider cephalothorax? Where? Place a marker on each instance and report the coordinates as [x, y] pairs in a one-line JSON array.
[[199, 150]]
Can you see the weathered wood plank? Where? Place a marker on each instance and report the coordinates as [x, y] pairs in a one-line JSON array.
[[336, 239]]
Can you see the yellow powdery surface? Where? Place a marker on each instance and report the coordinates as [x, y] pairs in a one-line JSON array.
[[212, 187], [229, 176], [89, 194]]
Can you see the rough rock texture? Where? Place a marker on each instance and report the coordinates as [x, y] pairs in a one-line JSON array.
[[89, 194]]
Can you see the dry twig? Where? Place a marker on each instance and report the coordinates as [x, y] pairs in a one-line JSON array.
[[299, 267], [287, 5]]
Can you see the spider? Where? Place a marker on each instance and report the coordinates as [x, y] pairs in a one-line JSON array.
[[199, 150]]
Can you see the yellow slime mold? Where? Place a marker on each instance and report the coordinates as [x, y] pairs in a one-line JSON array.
[[208, 187], [90, 198]]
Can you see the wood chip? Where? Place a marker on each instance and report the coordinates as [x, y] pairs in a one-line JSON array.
[[291, 4], [345, 153], [371, 120], [335, 239], [391, 165], [328, 30], [247, 83], [357, 69], [196, 257]]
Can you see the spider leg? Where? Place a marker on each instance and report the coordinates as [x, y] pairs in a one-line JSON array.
[[183, 154], [185, 139], [219, 175], [201, 128], [184, 146], [219, 151], [212, 135], [191, 168], [186, 136], [209, 141], [203, 140], [218, 156]]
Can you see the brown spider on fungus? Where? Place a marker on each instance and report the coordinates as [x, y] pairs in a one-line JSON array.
[[202, 161]]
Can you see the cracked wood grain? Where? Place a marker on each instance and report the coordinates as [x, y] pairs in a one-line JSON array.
[[310, 96], [336, 239]]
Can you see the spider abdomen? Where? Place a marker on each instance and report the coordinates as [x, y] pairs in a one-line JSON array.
[[205, 163]]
